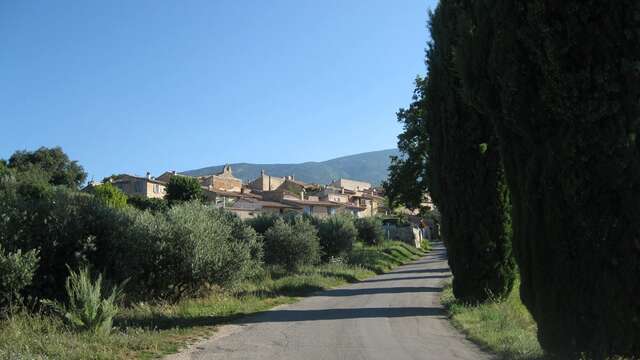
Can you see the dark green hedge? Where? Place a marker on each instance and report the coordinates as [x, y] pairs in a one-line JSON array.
[[560, 80], [465, 174]]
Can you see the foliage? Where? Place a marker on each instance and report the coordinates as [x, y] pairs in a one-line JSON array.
[[87, 309], [262, 222], [370, 230], [16, 273], [64, 225], [110, 195], [407, 181], [292, 245], [55, 166], [175, 254], [466, 184], [504, 327], [153, 330], [383, 257], [337, 234], [145, 203], [184, 188], [562, 93]]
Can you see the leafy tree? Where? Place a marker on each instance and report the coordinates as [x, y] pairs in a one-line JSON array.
[[110, 195], [560, 82], [54, 164], [464, 173], [407, 174], [184, 188]]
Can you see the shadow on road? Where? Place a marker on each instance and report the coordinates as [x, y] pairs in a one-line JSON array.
[[372, 291], [417, 271], [444, 276], [337, 314]]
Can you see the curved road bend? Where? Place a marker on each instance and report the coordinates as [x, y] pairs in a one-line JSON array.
[[394, 316]]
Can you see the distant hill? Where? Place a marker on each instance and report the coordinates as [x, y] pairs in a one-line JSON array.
[[371, 167]]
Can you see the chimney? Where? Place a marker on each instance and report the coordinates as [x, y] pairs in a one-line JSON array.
[[174, 172], [262, 172], [302, 195], [148, 175]]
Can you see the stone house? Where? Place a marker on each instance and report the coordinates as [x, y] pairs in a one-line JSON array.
[[223, 181], [266, 182], [353, 185], [250, 207], [140, 186]]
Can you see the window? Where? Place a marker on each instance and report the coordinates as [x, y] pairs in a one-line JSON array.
[[332, 211], [138, 186], [307, 209], [156, 188]]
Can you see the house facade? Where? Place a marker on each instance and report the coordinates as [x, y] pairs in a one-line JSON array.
[[140, 186]]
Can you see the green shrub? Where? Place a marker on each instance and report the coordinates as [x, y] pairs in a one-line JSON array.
[[262, 222], [175, 254], [184, 188], [16, 273], [63, 224], [145, 203], [110, 195], [292, 245], [337, 235], [370, 230], [87, 310]]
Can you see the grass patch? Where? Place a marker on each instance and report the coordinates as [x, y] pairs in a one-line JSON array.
[[505, 328], [152, 330]]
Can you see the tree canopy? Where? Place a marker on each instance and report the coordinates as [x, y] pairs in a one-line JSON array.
[[51, 163]]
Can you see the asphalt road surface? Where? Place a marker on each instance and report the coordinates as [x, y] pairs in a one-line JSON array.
[[394, 316]]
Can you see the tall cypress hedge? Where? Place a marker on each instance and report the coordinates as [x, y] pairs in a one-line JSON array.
[[566, 80], [464, 174]]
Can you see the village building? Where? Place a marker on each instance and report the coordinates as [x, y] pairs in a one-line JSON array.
[[266, 182], [145, 186], [353, 185], [250, 207]]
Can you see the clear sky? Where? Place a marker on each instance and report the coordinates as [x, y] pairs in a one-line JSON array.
[[136, 86]]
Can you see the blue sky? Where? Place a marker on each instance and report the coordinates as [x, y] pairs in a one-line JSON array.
[[136, 86]]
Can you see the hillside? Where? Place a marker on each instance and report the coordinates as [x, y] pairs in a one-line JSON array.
[[369, 166]]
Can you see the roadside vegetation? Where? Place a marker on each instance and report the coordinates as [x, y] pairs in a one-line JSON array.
[[503, 327], [524, 134], [97, 275]]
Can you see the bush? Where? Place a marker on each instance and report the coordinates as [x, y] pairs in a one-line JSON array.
[[337, 235], [292, 245], [262, 222], [110, 195], [16, 273], [151, 204], [184, 188], [175, 254], [87, 310], [370, 230], [62, 224]]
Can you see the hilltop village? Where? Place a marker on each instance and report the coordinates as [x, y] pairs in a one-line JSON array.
[[265, 194]]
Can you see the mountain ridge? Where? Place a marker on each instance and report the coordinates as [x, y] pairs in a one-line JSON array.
[[368, 166]]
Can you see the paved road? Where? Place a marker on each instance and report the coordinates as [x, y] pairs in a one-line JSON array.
[[394, 316]]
